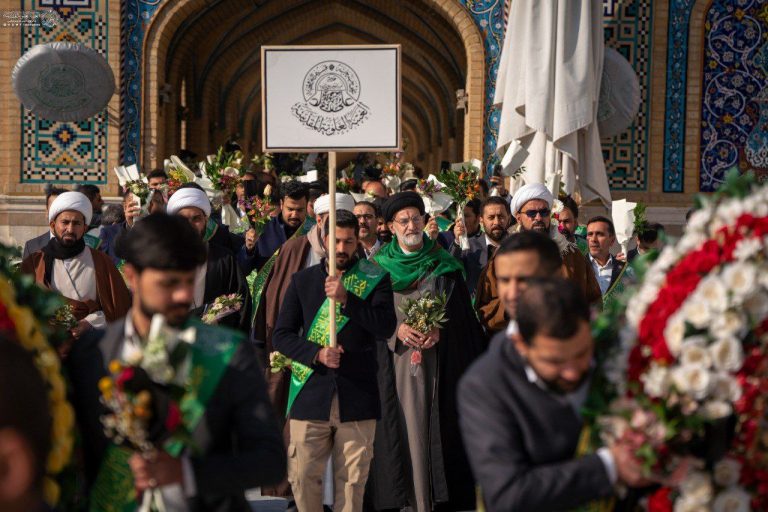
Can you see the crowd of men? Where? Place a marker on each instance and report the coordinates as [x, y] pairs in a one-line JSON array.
[[495, 403]]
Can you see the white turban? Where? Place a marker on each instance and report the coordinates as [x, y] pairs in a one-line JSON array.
[[343, 202], [529, 193], [76, 201], [186, 197]]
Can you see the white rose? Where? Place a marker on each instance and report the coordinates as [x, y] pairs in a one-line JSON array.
[[674, 333], [698, 221], [668, 257], [687, 505], [693, 381], [696, 488], [694, 352], [746, 248], [729, 323], [716, 410], [732, 500], [741, 280], [713, 292], [656, 381], [727, 472], [696, 312], [727, 354], [725, 388], [756, 305], [132, 354]]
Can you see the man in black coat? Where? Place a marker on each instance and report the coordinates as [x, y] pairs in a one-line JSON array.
[[36, 244], [335, 411], [520, 409], [237, 445]]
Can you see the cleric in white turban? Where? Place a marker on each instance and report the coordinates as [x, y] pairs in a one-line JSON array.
[[530, 192], [323, 205], [86, 277], [189, 197]]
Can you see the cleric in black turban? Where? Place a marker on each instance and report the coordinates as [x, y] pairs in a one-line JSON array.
[[401, 200]]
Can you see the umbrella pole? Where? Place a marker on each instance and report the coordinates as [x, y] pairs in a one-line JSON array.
[[332, 240]]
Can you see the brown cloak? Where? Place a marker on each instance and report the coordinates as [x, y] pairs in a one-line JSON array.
[[114, 299]]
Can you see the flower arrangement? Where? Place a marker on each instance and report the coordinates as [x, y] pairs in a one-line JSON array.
[[222, 306], [463, 185], [258, 210], [278, 362], [265, 160], [345, 184], [223, 170], [423, 315], [20, 300], [64, 317], [130, 179], [178, 174], [692, 359]]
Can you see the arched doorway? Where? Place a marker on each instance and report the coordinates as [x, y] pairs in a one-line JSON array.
[[211, 48]]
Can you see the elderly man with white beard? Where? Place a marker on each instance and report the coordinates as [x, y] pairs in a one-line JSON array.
[[419, 459]]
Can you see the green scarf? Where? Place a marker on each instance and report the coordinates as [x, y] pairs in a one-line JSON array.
[[405, 269]]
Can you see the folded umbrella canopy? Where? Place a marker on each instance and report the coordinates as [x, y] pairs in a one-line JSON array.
[[548, 86]]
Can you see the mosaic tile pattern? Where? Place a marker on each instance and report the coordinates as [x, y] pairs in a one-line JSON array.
[[734, 110], [65, 151], [627, 26]]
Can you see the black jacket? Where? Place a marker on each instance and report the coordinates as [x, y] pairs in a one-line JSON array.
[[370, 320], [223, 277], [239, 442], [36, 244], [521, 440]]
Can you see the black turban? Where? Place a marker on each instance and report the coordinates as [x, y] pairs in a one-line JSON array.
[[397, 202]]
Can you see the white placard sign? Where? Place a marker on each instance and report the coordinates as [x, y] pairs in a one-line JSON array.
[[331, 98]]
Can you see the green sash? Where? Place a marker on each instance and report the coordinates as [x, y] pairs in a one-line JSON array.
[[443, 223], [258, 278], [211, 353], [91, 241], [360, 280]]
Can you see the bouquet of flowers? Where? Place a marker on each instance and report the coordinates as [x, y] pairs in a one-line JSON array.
[[692, 359], [222, 306], [434, 195], [265, 160], [223, 170], [64, 318], [258, 210], [130, 179], [143, 396], [345, 184], [463, 185], [278, 362], [426, 312], [178, 174]]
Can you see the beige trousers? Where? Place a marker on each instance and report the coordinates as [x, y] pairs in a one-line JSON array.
[[351, 446]]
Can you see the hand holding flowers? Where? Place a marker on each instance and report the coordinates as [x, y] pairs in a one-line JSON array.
[[424, 317], [222, 306]]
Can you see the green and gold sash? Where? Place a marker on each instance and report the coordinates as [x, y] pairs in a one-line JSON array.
[[360, 280], [211, 353], [94, 242], [258, 278]]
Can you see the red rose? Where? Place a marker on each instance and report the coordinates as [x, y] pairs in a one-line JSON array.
[[173, 420], [660, 501], [125, 376]]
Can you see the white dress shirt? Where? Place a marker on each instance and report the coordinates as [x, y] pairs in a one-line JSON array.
[[75, 279], [603, 273]]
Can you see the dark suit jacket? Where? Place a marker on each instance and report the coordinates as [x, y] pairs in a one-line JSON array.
[[355, 381], [618, 266], [240, 444], [223, 277], [36, 244], [521, 439], [109, 236]]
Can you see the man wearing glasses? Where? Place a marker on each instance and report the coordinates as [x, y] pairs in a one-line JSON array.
[[368, 218], [532, 207]]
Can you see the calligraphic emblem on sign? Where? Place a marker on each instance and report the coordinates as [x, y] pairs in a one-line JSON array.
[[331, 99]]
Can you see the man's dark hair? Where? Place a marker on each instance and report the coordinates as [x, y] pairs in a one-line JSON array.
[[408, 185], [191, 184], [496, 200], [551, 306], [549, 254], [53, 191], [649, 232], [163, 242], [24, 402], [344, 219], [294, 189], [157, 173], [314, 193], [474, 205], [570, 203], [379, 204], [374, 205], [113, 214], [606, 220], [90, 191]]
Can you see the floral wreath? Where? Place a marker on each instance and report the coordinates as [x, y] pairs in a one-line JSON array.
[[20, 324], [692, 360]]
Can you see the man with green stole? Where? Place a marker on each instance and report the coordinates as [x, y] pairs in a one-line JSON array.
[[419, 459], [235, 443], [333, 401]]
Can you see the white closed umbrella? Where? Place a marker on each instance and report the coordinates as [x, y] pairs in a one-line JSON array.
[[548, 86]]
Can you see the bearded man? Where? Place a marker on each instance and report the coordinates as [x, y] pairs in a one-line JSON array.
[[367, 215], [419, 459], [220, 274], [86, 277]]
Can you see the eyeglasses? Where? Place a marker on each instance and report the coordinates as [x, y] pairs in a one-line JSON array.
[[404, 222], [531, 214]]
